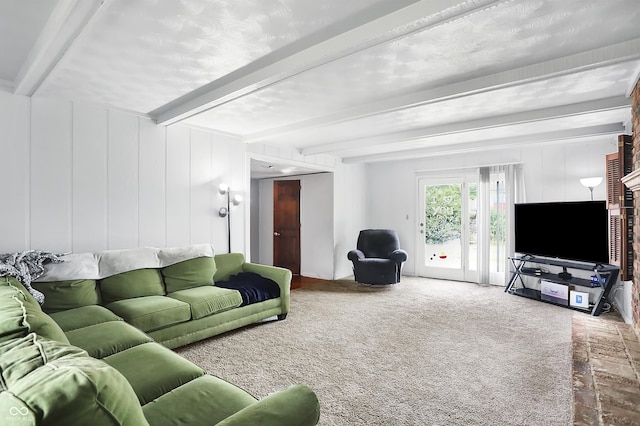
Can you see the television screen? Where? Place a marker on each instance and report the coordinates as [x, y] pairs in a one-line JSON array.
[[577, 230]]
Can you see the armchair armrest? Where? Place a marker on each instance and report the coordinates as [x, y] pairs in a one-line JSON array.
[[399, 256], [295, 406], [355, 255]]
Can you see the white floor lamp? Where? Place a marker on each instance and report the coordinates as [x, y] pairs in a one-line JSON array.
[[591, 183], [225, 211]]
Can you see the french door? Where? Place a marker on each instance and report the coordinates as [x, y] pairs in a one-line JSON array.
[[447, 235], [462, 229]]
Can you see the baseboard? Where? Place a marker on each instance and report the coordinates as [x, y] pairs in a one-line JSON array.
[[346, 277], [621, 299], [315, 275]]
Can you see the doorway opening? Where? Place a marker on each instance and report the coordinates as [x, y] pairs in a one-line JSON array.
[[316, 219]]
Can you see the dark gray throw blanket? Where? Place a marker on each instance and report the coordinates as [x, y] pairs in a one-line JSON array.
[[27, 266], [252, 287]]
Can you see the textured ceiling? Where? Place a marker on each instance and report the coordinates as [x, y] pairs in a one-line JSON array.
[[142, 54], [20, 25], [363, 80]]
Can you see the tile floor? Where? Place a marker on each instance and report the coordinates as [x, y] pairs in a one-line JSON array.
[[606, 371]]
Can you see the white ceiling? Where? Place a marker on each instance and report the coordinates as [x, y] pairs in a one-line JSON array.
[[364, 80]]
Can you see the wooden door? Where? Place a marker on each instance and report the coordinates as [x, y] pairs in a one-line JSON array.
[[286, 224]]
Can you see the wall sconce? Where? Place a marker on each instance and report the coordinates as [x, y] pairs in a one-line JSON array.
[[225, 211], [591, 183]]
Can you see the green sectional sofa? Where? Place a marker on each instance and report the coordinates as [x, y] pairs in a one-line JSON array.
[[168, 293], [98, 351]]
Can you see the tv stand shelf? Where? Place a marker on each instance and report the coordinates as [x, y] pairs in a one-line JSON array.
[[527, 266]]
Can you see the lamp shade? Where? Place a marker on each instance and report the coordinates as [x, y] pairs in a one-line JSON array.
[[591, 182]]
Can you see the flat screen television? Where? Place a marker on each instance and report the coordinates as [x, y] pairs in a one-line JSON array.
[[573, 230]]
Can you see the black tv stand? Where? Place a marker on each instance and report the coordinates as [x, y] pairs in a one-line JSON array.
[[606, 277]]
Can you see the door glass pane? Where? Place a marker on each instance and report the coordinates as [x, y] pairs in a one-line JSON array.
[[443, 225], [498, 224], [472, 225]]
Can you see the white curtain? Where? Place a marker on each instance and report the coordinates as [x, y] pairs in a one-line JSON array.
[[513, 191], [484, 217]]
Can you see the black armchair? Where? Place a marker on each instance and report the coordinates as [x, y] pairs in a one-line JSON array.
[[378, 258]]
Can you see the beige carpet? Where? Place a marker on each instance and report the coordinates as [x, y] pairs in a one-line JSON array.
[[423, 352]]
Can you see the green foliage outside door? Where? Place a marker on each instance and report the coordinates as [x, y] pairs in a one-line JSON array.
[[443, 212]]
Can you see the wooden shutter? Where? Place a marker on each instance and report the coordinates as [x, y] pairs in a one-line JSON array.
[[620, 205], [614, 237], [613, 179]]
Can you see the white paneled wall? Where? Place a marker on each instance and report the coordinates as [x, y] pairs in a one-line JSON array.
[[316, 216], [51, 160], [15, 173], [122, 180], [89, 185], [152, 229], [551, 171], [178, 182], [350, 214], [201, 196], [83, 177]]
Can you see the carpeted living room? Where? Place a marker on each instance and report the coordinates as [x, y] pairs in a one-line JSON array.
[[433, 352], [185, 184], [422, 352]]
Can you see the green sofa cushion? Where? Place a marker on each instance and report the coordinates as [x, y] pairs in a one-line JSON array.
[[107, 338], [192, 331], [152, 370], [22, 355], [151, 312], [208, 300], [63, 295], [227, 264], [189, 273], [215, 398], [136, 283], [21, 314], [83, 317], [46, 382]]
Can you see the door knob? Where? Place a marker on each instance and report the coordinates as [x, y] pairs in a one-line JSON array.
[[277, 234]]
